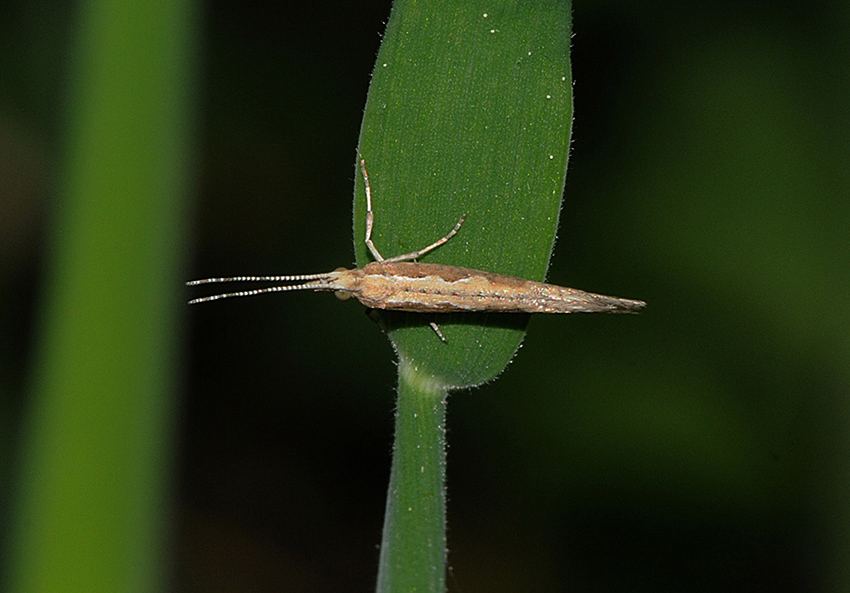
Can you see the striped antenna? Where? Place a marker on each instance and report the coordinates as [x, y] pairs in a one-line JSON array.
[[308, 282]]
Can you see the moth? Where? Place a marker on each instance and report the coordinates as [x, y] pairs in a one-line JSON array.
[[401, 283]]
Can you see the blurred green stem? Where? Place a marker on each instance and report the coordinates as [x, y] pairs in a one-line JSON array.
[[413, 547], [90, 513]]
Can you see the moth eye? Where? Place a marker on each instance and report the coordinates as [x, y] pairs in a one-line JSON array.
[[341, 269], [342, 295]]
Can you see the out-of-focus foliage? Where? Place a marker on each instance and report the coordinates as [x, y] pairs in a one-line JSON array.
[[85, 504]]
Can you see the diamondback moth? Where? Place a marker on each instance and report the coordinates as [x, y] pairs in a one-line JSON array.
[[400, 283]]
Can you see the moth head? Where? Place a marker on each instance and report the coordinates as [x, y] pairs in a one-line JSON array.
[[342, 295]]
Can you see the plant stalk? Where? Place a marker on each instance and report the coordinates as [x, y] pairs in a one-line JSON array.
[[413, 546]]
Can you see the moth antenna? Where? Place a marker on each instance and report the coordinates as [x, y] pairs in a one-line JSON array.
[[296, 278], [255, 291]]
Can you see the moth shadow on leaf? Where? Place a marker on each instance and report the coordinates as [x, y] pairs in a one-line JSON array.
[[393, 320]]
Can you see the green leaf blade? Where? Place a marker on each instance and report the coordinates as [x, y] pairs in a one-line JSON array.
[[469, 112]]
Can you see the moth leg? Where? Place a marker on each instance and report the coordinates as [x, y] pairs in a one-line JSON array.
[[440, 335], [375, 317], [370, 223], [370, 216], [417, 254]]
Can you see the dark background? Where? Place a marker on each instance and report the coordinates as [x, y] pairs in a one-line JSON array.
[[701, 446]]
